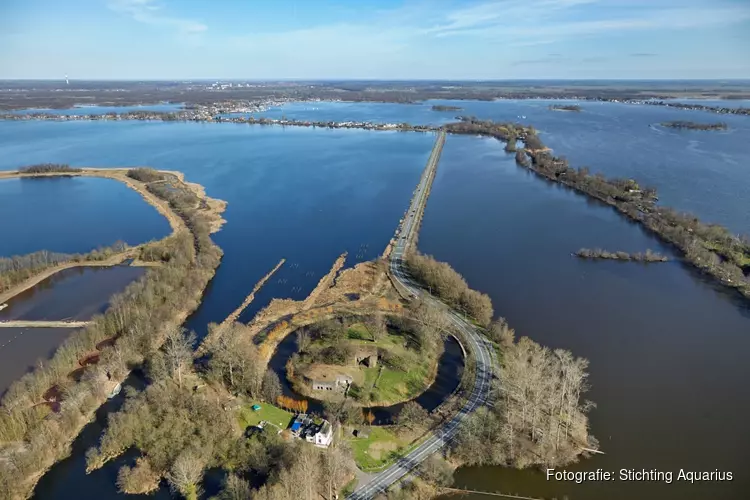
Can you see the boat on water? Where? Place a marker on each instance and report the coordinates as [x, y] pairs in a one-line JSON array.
[[3, 306]]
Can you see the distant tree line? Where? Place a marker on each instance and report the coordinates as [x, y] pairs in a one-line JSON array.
[[598, 253], [709, 247], [443, 107], [16, 269], [565, 107], [694, 126], [47, 168]]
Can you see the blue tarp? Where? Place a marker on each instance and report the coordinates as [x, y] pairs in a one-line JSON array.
[[296, 426]]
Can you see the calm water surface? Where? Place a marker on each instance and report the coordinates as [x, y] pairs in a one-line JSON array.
[[73, 294], [704, 172], [306, 195], [20, 348], [71, 214], [101, 110], [667, 349]]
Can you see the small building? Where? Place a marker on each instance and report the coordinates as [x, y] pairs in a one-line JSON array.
[[329, 382], [316, 431]]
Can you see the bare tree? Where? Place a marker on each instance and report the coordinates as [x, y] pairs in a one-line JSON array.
[[412, 413], [178, 352], [271, 386], [186, 473]]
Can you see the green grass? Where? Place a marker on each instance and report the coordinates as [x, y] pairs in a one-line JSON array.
[[359, 331], [395, 385], [365, 448], [270, 413]]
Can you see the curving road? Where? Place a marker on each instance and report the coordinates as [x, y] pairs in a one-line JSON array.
[[476, 345]]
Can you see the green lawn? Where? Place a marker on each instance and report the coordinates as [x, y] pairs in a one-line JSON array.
[[377, 450], [247, 416], [358, 331], [395, 385]]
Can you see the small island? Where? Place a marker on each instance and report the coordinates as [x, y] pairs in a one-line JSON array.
[[565, 107], [598, 253], [443, 107], [679, 124]]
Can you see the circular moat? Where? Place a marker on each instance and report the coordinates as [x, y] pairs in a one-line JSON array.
[[449, 370]]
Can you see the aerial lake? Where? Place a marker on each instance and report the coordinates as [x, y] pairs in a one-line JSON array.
[[73, 294], [666, 347], [73, 214]]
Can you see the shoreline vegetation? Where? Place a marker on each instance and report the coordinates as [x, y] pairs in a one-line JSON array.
[[215, 110], [679, 124], [647, 257], [539, 417], [565, 107], [21, 272], [445, 107], [46, 409], [711, 248]]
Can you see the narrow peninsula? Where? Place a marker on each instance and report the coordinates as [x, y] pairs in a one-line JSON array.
[[42, 413]]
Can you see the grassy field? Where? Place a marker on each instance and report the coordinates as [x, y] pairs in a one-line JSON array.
[[377, 450], [247, 416], [395, 385], [358, 331]]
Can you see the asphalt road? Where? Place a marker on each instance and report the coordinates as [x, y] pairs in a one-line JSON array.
[[476, 345]]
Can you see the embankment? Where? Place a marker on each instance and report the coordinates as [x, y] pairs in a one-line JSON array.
[[134, 326]]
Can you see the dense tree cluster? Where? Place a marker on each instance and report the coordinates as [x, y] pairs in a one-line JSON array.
[[538, 417], [598, 253], [681, 124], [565, 107], [131, 330], [16, 269], [709, 247], [47, 168], [444, 282], [145, 174]]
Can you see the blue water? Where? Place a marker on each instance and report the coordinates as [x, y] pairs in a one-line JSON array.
[[667, 348], [72, 214], [20, 348], [101, 110], [661, 340], [420, 113], [719, 103], [703, 172], [302, 194], [74, 294]]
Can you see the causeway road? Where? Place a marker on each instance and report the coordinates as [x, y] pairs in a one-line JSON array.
[[476, 345]]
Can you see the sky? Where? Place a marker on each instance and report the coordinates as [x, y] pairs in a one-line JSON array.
[[375, 39]]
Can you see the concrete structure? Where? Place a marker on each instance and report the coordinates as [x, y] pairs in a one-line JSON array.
[[338, 382]]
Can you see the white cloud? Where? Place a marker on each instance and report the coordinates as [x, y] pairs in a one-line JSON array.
[[149, 12]]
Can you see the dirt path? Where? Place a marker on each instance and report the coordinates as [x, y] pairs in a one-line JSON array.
[[43, 324]]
